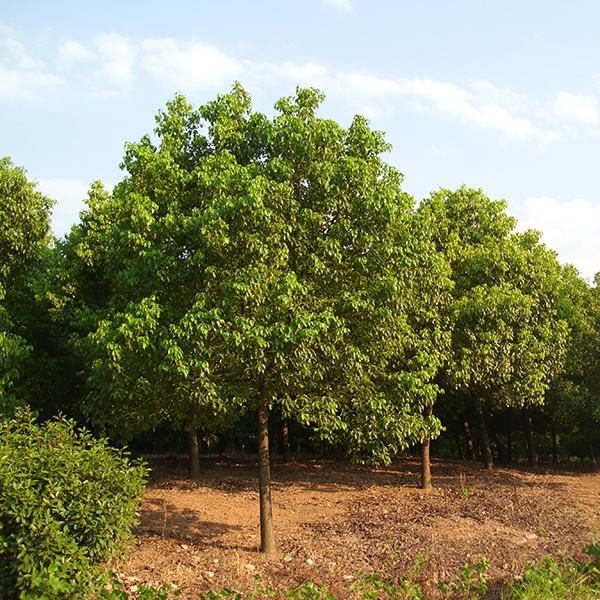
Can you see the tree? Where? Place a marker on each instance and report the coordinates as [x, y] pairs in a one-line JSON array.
[[573, 404], [507, 337], [24, 236], [254, 263]]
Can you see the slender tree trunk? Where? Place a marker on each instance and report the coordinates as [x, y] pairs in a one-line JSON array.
[[486, 450], [499, 449], [509, 442], [267, 533], [273, 440], [590, 446], [459, 450], [425, 458], [193, 449], [529, 439], [285, 436], [542, 445], [555, 457], [469, 439]]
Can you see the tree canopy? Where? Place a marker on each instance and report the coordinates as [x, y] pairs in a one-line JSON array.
[[271, 269], [253, 263], [24, 236]]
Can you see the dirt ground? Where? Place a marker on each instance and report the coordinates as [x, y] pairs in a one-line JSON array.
[[336, 522]]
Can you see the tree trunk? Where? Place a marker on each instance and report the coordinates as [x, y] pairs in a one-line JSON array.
[[555, 457], [542, 439], [499, 449], [509, 442], [590, 446], [193, 450], [285, 436], [267, 534], [529, 439], [459, 450], [470, 447], [425, 458], [486, 450]]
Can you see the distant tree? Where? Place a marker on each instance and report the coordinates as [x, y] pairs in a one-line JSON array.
[[507, 338], [573, 403]]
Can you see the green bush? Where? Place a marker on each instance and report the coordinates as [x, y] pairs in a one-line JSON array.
[[67, 504]]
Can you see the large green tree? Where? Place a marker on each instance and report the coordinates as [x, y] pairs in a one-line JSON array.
[[248, 263]]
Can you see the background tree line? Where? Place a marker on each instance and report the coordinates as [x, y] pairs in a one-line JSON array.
[[266, 282]]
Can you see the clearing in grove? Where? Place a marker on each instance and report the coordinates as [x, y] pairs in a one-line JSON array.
[[337, 522]]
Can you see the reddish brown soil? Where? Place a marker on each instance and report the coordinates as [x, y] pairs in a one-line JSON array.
[[336, 522]]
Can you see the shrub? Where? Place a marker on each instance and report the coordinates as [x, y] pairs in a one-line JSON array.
[[67, 504]]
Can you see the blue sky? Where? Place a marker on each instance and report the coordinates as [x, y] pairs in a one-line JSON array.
[[499, 95]]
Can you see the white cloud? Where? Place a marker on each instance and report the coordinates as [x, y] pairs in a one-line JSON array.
[[307, 74], [20, 58], [25, 77], [7, 30], [577, 107], [22, 83], [482, 104], [71, 52], [70, 196], [571, 227], [193, 65], [117, 56], [339, 4]]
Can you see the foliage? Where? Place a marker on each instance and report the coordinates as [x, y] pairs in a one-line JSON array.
[[557, 579], [507, 340], [67, 504], [24, 214], [310, 591], [24, 235], [14, 351], [471, 583], [374, 586], [245, 257], [113, 589], [573, 400]]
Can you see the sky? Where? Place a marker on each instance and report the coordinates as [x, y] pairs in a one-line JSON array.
[[503, 96]]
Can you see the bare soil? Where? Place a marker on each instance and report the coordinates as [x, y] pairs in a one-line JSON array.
[[336, 522]]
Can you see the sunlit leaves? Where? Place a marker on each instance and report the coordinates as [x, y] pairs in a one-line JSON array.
[[24, 236]]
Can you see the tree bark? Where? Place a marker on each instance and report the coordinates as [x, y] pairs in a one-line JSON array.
[[267, 533], [486, 450], [285, 436], [193, 449], [509, 455], [499, 448], [529, 439], [425, 457], [459, 450], [590, 446], [542, 446], [469, 439], [555, 457]]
